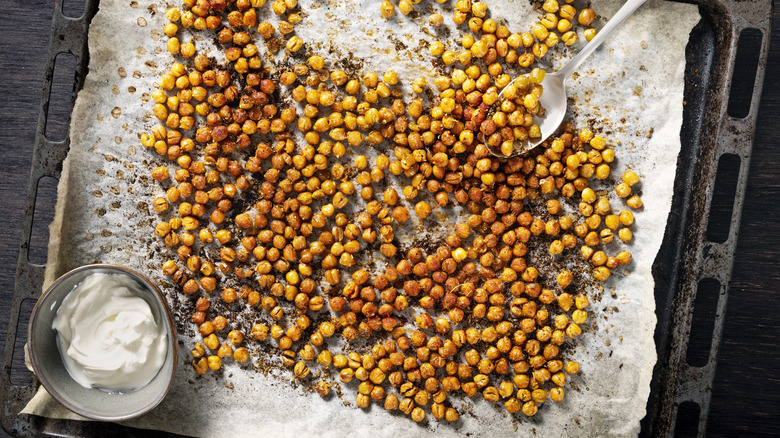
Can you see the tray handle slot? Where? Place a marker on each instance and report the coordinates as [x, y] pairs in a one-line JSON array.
[[62, 96], [45, 201], [705, 311], [20, 375], [723, 196], [73, 8], [745, 69], [687, 424]]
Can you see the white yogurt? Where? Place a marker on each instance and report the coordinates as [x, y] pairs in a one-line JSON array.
[[107, 334]]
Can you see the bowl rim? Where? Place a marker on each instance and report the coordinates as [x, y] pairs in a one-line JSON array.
[[170, 332]]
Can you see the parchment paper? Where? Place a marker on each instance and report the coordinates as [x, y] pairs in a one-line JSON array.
[[631, 89]]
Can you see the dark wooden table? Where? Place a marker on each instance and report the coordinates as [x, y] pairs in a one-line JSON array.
[[746, 393]]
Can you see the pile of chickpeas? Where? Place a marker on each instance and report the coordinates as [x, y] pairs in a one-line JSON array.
[[276, 209]]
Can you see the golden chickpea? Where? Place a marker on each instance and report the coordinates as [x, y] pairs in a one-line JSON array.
[[601, 273], [294, 44], [387, 9], [214, 363], [530, 409], [634, 202], [565, 278], [568, 37], [241, 355], [390, 77], [260, 332], [625, 235], [586, 17], [363, 401], [187, 50], [391, 402], [579, 316], [626, 217], [624, 257], [451, 415], [236, 337], [479, 9], [316, 62], [418, 414], [170, 29], [405, 6], [173, 45], [556, 394], [301, 370]]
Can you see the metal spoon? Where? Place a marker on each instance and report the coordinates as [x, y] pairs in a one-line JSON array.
[[553, 98]]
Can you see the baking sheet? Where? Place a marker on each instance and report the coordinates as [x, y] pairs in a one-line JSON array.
[[104, 202]]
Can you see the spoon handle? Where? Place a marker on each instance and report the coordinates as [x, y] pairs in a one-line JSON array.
[[628, 8]]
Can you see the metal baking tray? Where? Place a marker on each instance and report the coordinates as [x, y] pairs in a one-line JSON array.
[[687, 256]]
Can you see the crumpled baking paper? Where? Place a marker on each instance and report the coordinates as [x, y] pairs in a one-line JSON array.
[[630, 89]]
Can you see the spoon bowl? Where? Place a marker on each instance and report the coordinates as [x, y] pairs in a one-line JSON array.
[[553, 98]]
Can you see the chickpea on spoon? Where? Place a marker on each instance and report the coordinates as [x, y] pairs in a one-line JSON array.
[[553, 98]]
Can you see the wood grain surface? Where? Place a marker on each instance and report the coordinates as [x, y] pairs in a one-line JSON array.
[[746, 392]]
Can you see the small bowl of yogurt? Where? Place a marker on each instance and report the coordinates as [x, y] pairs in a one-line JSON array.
[[102, 342]]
